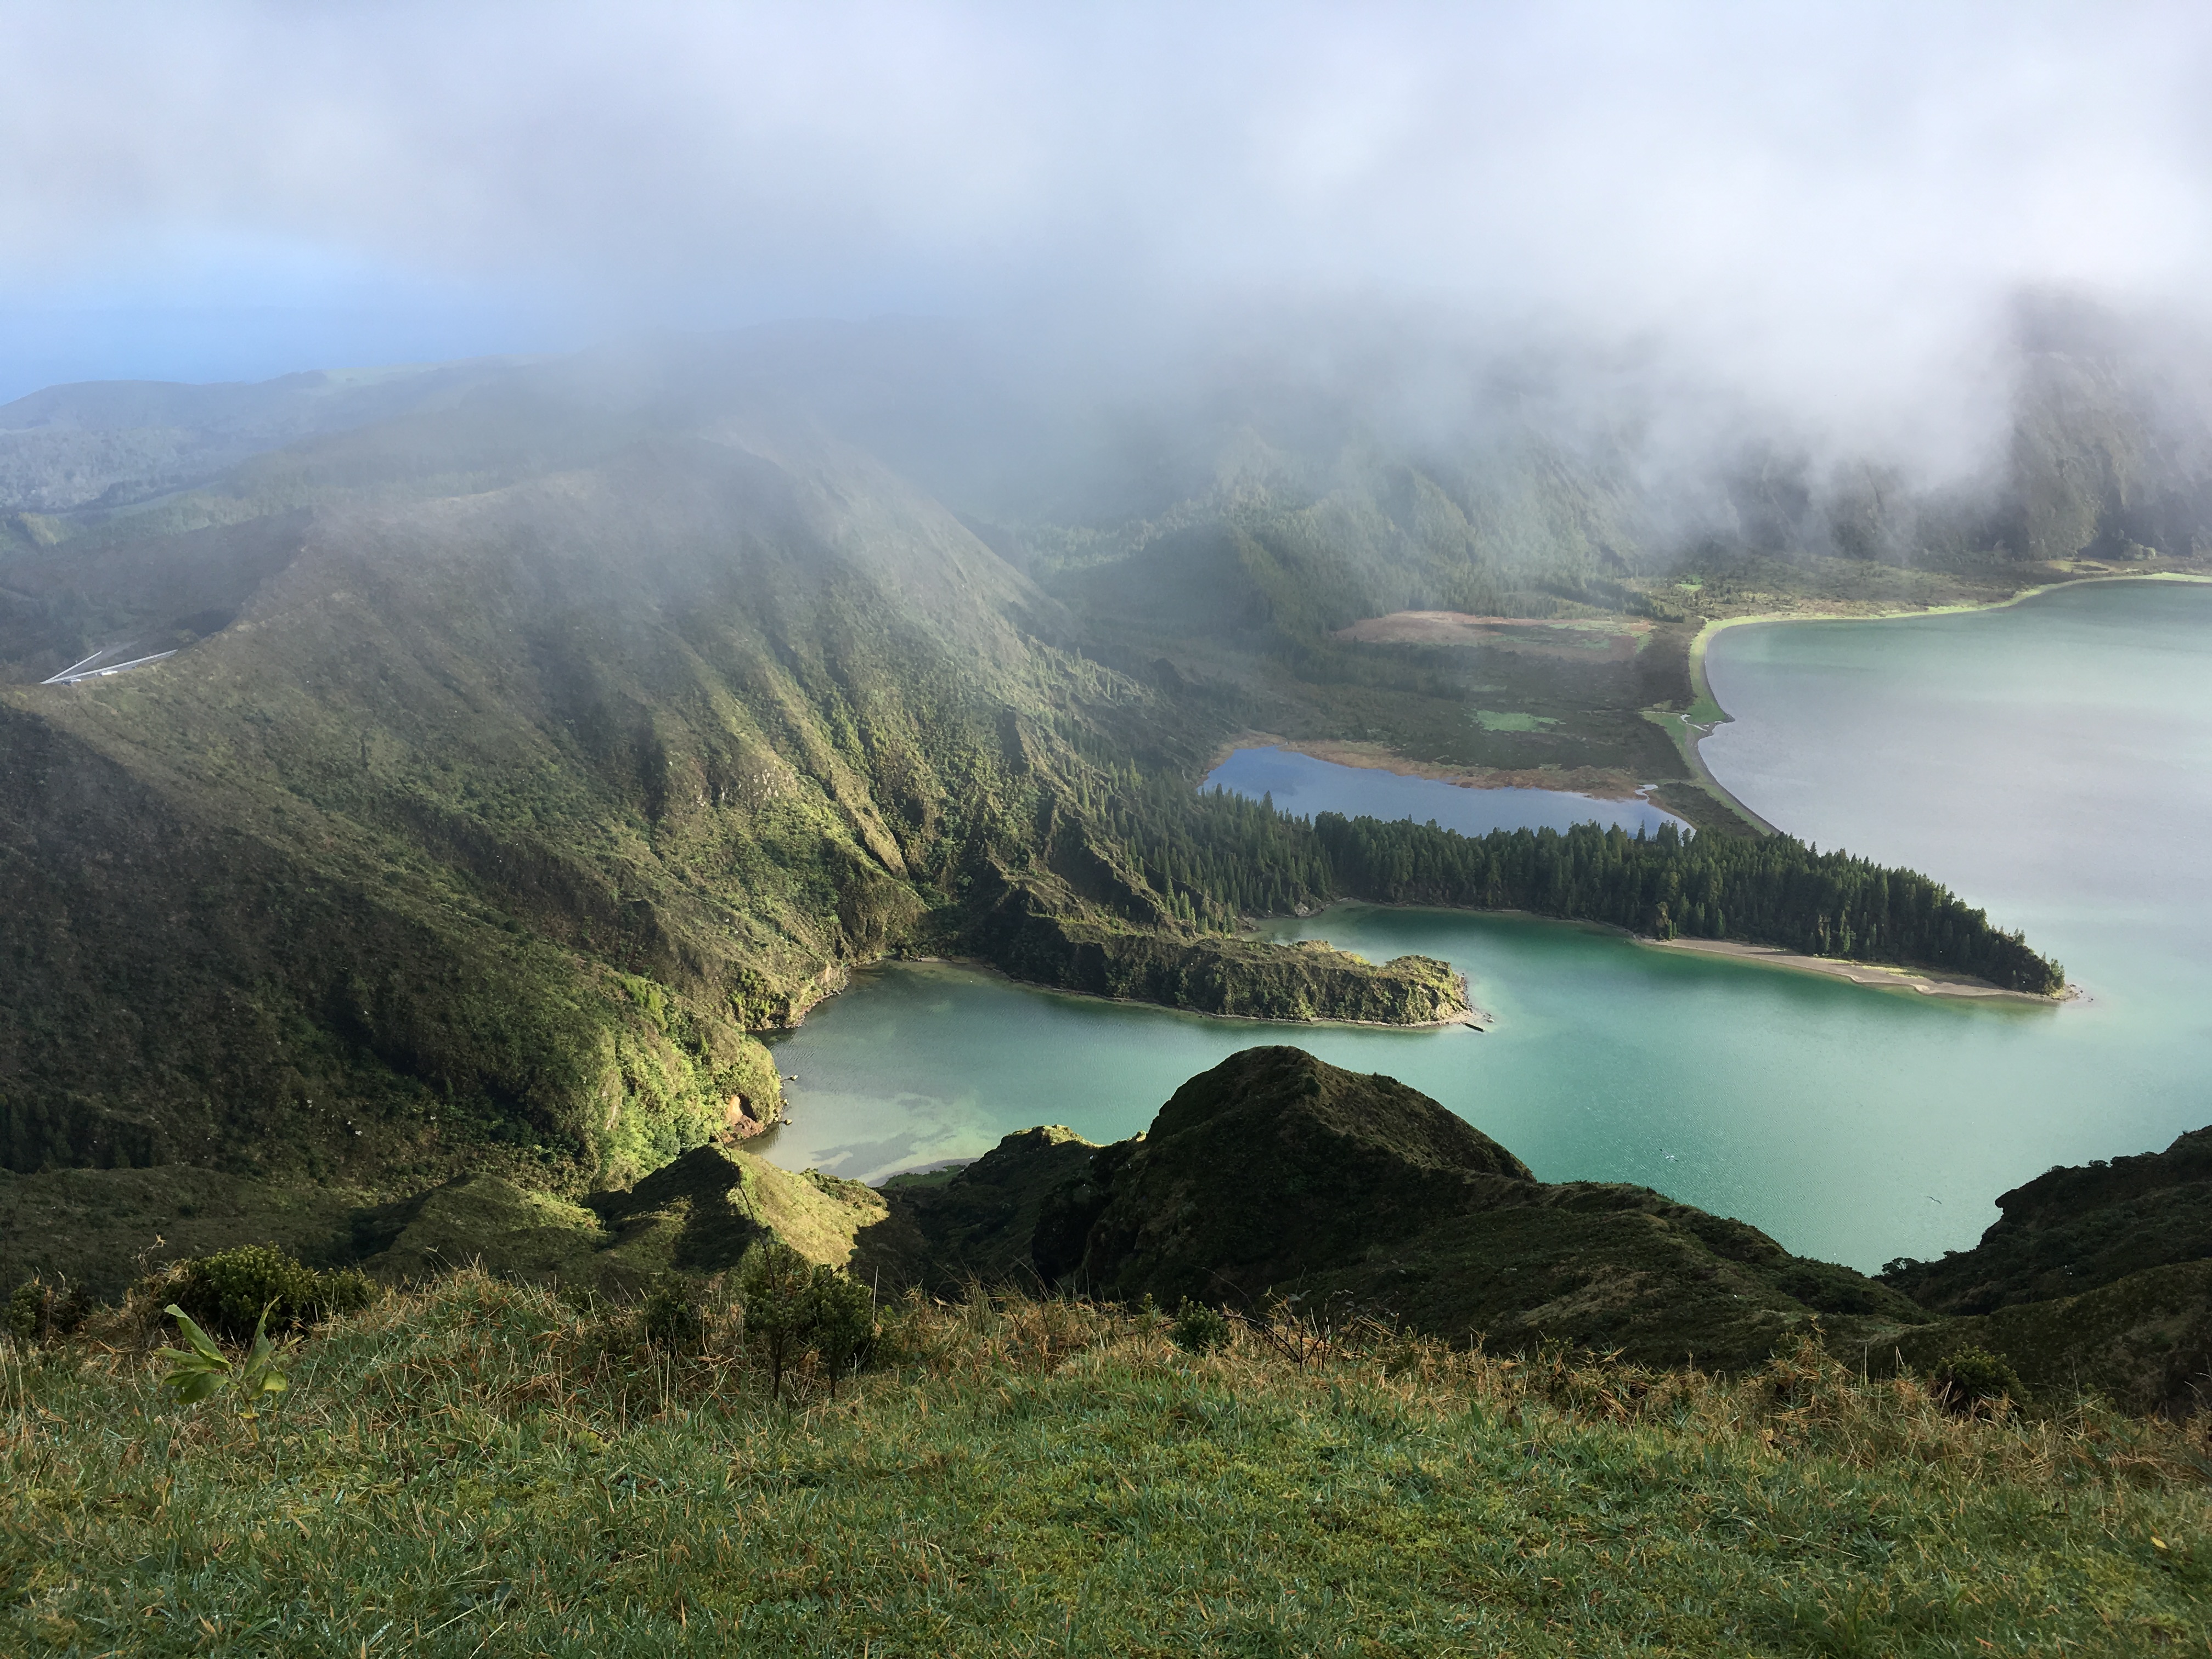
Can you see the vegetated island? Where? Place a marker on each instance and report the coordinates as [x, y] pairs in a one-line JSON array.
[[1312, 1358]]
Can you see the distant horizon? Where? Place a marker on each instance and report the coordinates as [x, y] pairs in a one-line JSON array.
[[1821, 212], [58, 346]]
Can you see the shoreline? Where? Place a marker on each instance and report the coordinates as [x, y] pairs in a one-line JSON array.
[[1690, 727], [1687, 728], [1598, 783], [1874, 976], [1474, 1019], [1925, 981]]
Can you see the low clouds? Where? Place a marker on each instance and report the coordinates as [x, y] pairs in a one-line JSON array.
[[1822, 208]]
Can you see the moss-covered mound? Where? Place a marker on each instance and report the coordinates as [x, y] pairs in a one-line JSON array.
[[975, 1224], [2143, 1342], [1278, 1173], [698, 1215], [101, 1229], [1272, 1164], [2074, 1229]]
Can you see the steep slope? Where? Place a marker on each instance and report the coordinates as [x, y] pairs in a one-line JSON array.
[[2110, 457], [457, 771], [2074, 1229], [490, 824]]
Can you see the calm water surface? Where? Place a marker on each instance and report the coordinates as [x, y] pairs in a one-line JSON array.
[[1305, 786], [2052, 761]]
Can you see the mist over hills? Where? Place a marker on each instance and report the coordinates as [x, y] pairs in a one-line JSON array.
[[566, 701], [1508, 466], [539, 731]]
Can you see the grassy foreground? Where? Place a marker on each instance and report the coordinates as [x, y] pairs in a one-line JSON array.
[[482, 1467]]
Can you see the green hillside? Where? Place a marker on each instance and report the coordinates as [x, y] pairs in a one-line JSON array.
[[484, 1466], [1449, 1409], [539, 733], [492, 824]]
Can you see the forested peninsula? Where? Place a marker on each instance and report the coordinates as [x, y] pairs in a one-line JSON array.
[[1239, 856]]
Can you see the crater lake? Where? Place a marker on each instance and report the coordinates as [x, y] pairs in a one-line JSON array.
[[2051, 760]]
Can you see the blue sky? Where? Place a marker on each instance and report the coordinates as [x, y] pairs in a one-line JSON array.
[[1826, 205]]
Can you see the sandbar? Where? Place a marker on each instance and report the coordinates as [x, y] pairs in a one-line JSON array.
[[1925, 981]]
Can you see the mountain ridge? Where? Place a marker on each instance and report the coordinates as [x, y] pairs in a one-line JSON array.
[[532, 746]]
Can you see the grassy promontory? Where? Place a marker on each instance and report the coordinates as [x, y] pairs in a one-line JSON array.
[[1441, 1408], [481, 1467]]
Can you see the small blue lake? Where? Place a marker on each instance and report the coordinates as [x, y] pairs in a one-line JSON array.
[[1304, 786]]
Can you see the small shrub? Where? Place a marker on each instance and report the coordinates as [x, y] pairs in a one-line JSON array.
[[226, 1292], [675, 1315], [1973, 1378], [773, 1281], [1199, 1329], [1149, 1317], [844, 1320], [40, 1313], [793, 1308]]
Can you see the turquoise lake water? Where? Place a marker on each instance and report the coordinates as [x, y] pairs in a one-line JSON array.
[[2051, 761]]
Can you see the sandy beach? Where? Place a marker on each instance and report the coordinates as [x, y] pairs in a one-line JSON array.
[[1926, 982]]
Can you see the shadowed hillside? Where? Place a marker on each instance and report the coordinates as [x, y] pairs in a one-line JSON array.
[[491, 823], [1293, 1192]]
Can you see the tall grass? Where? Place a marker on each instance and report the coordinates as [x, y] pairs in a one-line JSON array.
[[479, 1467]]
